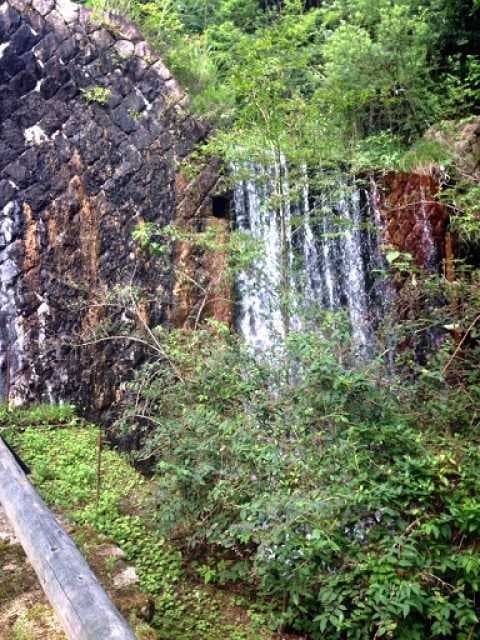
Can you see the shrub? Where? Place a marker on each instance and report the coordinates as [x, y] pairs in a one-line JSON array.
[[332, 496]]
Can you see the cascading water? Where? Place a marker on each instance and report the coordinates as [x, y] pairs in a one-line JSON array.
[[260, 320], [332, 239]]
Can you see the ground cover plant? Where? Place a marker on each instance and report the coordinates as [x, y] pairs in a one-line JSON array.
[[61, 451]]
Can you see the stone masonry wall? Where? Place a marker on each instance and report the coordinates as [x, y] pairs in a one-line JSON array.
[[92, 126]]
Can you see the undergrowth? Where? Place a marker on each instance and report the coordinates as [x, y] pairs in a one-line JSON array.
[[63, 466], [345, 496]]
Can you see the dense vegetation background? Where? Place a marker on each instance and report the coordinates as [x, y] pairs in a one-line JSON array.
[[343, 494], [320, 78]]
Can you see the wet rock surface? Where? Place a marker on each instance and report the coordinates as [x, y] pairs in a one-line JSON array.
[[91, 130], [414, 220]]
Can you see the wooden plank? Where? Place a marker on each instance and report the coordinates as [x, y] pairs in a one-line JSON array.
[[80, 602]]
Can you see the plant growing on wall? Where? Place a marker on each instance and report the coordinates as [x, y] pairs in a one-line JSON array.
[[100, 95]]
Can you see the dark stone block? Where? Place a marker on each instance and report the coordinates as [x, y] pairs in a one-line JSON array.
[[31, 64], [131, 156], [59, 180], [68, 91], [71, 126], [43, 6], [151, 86], [10, 20], [24, 39], [46, 48], [153, 126], [101, 116], [11, 63], [58, 25], [7, 192], [136, 68], [62, 111], [7, 155], [17, 172], [93, 145], [49, 88], [141, 138], [37, 196], [34, 162], [51, 122], [30, 110], [87, 55], [124, 120], [37, 23], [106, 64], [96, 175], [95, 72], [137, 192], [79, 75], [120, 83], [23, 83], [12, 136], [102, 39], [8, 102], [4, 77], [134, 103], [71, 205], [55, 69], [114, 100], [68, 49], [63, 150]]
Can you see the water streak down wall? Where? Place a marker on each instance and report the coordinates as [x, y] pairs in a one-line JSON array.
[[332, 239], [76, 176]]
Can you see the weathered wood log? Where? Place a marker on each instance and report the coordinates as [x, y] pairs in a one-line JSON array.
[[80, 602]]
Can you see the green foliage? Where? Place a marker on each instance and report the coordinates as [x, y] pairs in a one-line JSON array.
[[37, 416], [348, 502], [63, 464], [100, 95], [100, 7], [463, 199], [21, 630], [424, 156], [317, 82], [378, 77], [240, 248]]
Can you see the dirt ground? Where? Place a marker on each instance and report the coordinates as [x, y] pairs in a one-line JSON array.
[[24, 610]]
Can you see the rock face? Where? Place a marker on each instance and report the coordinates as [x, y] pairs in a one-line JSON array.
[[202, 288], [92, 127], [462, 139], [414, 220]]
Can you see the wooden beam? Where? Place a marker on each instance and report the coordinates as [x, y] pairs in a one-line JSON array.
[[80, 602]]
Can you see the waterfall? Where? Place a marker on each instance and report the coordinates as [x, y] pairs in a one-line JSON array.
[[260, 320], [329, 245]]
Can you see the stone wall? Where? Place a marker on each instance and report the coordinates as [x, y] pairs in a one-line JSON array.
[[414, 220], [202, 288], [92, 127]]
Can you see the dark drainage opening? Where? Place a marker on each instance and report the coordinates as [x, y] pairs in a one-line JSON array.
[[221, 206]]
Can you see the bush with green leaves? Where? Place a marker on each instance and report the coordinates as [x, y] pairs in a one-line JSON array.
[[324, 485]]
